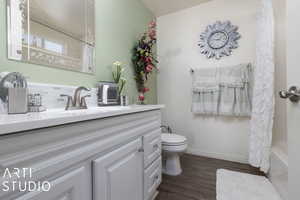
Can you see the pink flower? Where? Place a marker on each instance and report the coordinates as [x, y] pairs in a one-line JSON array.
[[152, 34], [148, 59], [149, 68], [152, 24], [146, 90], [141, 97]]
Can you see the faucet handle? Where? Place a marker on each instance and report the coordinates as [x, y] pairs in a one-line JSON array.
[[65, 95], [69, 102], [88, 89], [83, 104], [68, 96]]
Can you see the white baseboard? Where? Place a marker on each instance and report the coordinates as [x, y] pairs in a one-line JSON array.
[[221, 156]]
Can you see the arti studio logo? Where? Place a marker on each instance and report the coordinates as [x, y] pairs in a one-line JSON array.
[[20, 179]]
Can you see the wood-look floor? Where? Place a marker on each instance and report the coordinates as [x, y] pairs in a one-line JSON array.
[[198, 180]]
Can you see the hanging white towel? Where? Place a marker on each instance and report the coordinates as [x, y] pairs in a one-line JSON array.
[[222, 91], [235, 90], [205, 91]]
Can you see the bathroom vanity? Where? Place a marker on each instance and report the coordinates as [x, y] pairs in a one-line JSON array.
[[111, 153]]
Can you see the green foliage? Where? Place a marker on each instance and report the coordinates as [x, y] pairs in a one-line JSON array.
[[117, 76]]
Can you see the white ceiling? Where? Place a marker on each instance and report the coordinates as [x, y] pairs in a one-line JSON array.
[[163, 7]]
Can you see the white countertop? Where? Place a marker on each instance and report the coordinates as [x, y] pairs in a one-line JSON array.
[[54, 117]]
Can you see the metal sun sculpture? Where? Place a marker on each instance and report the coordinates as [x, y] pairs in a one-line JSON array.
[[219, 40]]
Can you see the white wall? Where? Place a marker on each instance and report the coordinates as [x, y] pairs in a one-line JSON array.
[[293, 110], [280, 121], [178, 35]]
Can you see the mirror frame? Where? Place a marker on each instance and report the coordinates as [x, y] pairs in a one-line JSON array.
[[15, 54]]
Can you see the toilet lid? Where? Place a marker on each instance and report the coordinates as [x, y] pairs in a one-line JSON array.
[[173, 139]]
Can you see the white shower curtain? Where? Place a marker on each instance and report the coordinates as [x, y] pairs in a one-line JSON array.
[[263, 92]]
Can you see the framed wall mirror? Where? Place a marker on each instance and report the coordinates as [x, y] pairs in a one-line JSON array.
[[56, 33]]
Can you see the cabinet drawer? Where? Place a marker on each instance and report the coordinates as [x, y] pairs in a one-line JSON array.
[[152, 179], [152, 147]]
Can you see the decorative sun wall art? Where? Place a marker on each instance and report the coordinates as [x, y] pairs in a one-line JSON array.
[[219, 40]]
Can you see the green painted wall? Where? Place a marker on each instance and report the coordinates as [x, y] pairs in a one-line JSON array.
[[118, 25]]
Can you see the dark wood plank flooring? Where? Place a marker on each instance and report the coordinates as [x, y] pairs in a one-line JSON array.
[[198, 180]]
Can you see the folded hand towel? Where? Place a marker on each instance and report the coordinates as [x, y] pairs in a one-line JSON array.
[[205, 80], [234, 90], [234, 76], [205, 91]]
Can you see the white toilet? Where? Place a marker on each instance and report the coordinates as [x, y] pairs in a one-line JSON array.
[[173, 146]]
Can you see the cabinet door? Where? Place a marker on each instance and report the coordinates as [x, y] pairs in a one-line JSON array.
[[119, 175], [71, 186]]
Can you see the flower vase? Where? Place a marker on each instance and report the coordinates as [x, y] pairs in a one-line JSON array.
[[141, 99]]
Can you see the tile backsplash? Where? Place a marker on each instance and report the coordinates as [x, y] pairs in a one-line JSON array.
[[51, 95]]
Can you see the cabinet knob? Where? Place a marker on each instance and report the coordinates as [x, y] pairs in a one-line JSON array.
[[141, 150], [155, 178]]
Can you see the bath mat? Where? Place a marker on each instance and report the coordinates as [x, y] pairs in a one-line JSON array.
[[240, 186]]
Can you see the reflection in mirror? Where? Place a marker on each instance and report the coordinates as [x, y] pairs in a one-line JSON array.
[[57, 33]]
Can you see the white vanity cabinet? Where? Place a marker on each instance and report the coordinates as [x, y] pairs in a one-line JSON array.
[[119, 174], [112, 158]]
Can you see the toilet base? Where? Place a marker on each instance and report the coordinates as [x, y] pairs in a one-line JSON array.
[[171, 165]]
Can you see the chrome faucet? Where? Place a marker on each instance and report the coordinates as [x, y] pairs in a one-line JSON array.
[[77, 97], [77, 102]]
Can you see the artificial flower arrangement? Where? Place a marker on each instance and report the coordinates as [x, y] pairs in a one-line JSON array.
[[117, 76], [143, 59]]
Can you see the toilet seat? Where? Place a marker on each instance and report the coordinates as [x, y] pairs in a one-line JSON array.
[[173, 140], [175, 148]]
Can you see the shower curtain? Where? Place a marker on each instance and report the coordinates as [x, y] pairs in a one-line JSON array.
[[261, 123]]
